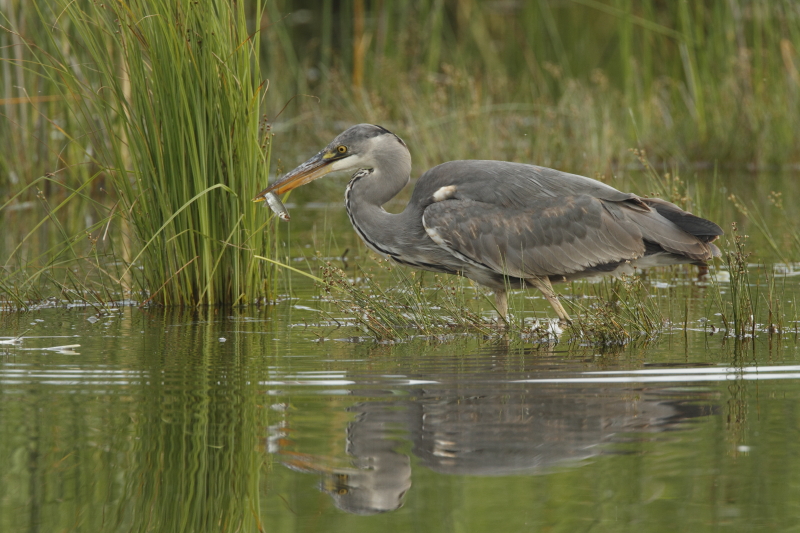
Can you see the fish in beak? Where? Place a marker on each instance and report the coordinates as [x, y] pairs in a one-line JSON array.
[[313, 169], [277, 206]]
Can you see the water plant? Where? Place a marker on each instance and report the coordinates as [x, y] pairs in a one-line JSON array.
[[737, 312], [615, 312], [389, 304], [571, 85], [170, 95], [406, 309]]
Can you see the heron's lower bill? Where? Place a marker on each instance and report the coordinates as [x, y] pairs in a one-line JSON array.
[[314, 168]]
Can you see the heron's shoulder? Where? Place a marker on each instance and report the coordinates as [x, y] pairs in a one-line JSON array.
[[484, 179]]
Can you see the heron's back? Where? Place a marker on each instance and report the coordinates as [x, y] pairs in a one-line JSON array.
[[513, 220]]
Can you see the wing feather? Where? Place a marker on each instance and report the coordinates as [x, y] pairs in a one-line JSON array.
[[545, 238]]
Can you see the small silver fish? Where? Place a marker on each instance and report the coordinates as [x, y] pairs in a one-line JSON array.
[[277, 206]]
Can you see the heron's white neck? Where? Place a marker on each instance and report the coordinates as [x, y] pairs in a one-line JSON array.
[[382, 172], [372, 187]]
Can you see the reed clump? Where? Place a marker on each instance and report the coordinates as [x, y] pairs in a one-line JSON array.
[[169, 95], [737, 312], [615, 312], [138, 112], [758, 298]]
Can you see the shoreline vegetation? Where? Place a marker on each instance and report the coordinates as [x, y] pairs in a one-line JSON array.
[[136, 134], [162, 143]]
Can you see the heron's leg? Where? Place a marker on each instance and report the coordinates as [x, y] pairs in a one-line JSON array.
[[501, 302], [543, 284]]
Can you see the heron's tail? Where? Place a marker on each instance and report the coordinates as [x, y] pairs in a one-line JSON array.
[[704, 230]]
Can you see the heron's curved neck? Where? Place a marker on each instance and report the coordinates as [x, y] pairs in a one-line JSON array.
[[366, 193]]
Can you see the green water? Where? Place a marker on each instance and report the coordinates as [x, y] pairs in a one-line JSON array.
[[246, 421]]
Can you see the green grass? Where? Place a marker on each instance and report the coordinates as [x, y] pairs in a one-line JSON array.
[[406, 309], [709, 92], [165, 98], [567, 84], [736, 299], [390, 304]]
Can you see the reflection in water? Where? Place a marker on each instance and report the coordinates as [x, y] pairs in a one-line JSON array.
[[481, 428], [150, 429], [159, 426], [378, 476]]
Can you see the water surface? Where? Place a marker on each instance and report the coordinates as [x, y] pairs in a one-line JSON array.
[[246, 421]]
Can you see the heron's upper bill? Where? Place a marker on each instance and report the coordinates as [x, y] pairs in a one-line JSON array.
[[314, 168]]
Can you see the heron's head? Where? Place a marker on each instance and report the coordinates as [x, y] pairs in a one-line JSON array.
[[359, 147]]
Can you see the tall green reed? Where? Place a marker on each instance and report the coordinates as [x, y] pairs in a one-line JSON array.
[[571, 85], [172, 91]]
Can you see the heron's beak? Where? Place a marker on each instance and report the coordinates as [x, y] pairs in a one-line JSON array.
[[314, 168]]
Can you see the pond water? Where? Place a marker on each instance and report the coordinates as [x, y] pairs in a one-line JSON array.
[[260, 420], [273, 419]]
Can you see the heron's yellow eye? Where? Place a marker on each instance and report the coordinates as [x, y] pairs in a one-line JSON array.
[[341, 149]]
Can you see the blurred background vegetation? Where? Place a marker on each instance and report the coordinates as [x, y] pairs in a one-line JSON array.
[[707, 88], [565, 83], [571, 83]]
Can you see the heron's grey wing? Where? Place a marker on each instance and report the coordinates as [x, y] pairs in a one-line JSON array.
[[563, 236], [545, 238]]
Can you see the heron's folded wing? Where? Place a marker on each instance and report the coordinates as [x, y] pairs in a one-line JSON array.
[[546, 238]]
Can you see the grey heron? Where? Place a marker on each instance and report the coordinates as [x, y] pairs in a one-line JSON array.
[[502, 224]]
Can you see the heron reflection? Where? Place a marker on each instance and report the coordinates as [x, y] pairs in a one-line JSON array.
[[455, 427]]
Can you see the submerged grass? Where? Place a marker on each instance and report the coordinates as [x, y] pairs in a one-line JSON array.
[[584, 79], [741, 300], [740, 315], [406, 309], [617, 311], [69, 264], [756, 298], [609, 313], [168, 94]]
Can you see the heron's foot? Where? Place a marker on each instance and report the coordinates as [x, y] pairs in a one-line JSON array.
[[551, 327], [543, 284]]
